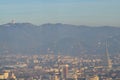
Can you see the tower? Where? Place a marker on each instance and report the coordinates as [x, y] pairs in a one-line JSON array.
[[109, 63], [65, 71], [13, 21]]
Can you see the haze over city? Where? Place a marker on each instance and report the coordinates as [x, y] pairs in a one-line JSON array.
[[77, 12], [59, 39]]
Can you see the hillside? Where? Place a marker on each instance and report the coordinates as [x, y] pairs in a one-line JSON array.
[[26, 38]]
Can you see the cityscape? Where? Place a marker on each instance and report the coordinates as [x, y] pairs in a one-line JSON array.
[[60, 67], [59, 39], [17, 62]]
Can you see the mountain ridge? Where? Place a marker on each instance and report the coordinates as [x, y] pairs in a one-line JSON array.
[[27, 38]]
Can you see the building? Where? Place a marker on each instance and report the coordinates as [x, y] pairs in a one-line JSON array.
[[94, 77], [6, 75], [65, 71]]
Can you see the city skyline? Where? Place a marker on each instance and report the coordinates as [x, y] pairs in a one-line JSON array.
[[77, 12]]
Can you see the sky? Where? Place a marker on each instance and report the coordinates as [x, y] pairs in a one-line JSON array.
[[77, 12]]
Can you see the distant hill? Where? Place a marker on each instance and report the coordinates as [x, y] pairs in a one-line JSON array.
[[26, 38]]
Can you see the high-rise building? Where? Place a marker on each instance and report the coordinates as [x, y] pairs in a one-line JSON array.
[[65, 71]]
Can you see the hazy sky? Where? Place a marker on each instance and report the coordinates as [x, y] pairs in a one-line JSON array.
[[78, 12]]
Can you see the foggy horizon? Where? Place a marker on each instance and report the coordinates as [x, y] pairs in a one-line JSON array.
[[76, 12]]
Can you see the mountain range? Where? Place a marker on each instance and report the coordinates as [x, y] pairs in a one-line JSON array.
[[26, 38]]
